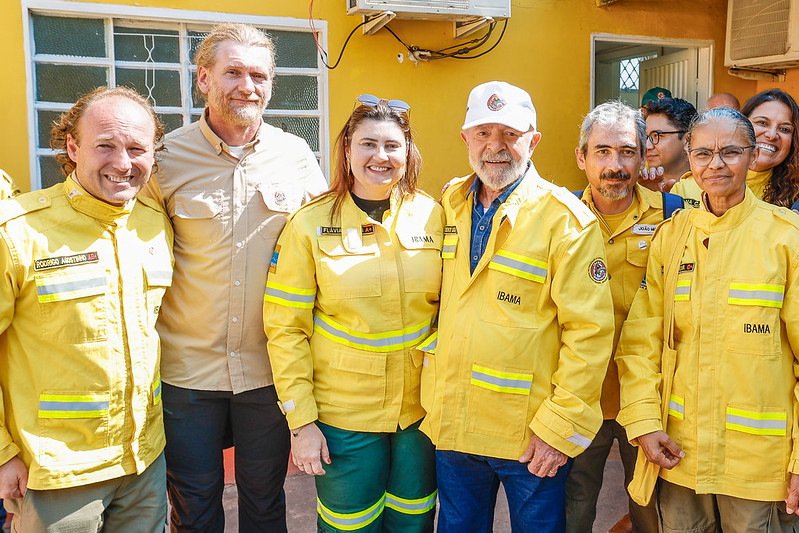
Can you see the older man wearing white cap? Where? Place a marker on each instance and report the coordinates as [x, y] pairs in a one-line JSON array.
[[512, 382]]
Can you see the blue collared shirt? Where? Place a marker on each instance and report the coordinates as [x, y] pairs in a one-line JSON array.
[[482, 220]]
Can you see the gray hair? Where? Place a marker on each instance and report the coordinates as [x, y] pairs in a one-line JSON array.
[[612, 113], [723, 113]]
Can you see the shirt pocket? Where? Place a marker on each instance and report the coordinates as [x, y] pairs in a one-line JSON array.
[[74, 428], [198, 216], [344, 274], [277, 202], [498, 401], [757, 442], [514, 281], [357, 378], [73, 305], [157, 276], [755, 318], [420, 256], [635, 269]]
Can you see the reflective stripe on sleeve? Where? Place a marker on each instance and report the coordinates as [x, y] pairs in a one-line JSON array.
[[372, 342], [757, 423], [762, 294], [157, 389], [289, 296], [429, 344], [74, 405], [413, 506], [450, 246], [580, 440], [351, 521], [68, 287], [683, 292], [495, 380], [677, 407], [519, 265], [159, 278]]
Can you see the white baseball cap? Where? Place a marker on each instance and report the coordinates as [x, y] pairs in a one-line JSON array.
[[497, 102]]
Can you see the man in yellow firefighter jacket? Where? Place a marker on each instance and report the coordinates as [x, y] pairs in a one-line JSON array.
[[83, 266], [512, 387]]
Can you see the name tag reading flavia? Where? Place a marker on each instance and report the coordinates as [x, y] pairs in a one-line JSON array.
[[644, 229]]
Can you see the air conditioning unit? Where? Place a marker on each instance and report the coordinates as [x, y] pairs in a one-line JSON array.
[[455, 10], [762, 34]]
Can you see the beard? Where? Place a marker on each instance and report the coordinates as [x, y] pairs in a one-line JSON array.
[[615, 191], [497, 179], [239, 114]]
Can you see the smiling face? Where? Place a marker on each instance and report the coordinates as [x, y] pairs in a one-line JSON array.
[[724, 182], [669, 152], [611, 160], [498, 154], [114, 149], [774, 132], [377, 152], [238, 85]]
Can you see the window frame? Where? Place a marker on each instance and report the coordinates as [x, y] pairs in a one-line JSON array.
[[170, 18]]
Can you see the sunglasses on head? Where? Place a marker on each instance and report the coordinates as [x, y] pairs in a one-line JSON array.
[[372, 101]]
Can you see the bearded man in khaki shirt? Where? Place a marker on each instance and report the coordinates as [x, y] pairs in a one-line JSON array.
[[228, 183]]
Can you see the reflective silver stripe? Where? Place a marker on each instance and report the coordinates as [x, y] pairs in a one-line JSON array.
[[429, 344], [683, 291], [768, 296], [579, 440], [290, 296], [522, 384], [69, 286], [73, 406], [676, 408], [351, 521], [449, 248], [412, 506], [376, 342], [159, 277], [757, 424], [533, 270]]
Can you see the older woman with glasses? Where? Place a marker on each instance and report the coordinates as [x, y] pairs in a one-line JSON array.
[[353, 290], [707, 356]]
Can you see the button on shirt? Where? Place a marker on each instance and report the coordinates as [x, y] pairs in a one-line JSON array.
[[227, 213], [482, 220]]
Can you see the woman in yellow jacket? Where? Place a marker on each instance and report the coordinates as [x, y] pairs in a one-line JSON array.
[[353, 289], [774, 178], [707, 356]]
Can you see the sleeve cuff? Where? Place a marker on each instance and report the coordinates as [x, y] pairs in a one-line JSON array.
[[561, 434], [8, 452], [299, 413], [636, 429]]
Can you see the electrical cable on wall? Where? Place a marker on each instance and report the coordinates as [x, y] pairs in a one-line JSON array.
[[460, 50]]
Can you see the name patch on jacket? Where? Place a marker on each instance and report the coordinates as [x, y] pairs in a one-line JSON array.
[[756, 328], [503, 296], [366, 229], [65, 260], [644, 229], [686, 267], [450, 230]]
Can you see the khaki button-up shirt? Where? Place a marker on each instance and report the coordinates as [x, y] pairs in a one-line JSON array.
[[227, 214]]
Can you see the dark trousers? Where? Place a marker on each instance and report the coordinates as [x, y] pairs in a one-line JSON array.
[[199, 425]]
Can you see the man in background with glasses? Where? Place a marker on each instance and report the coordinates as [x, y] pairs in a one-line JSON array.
[[512, 387], [228, 183], [667, 120], [611, 147]]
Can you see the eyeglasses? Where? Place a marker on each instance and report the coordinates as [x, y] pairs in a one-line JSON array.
[[655, 136], [373, 101], [729, 155]]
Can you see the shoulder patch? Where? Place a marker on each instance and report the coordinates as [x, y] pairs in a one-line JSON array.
[[580, 211], [598, 271], [23, 204]]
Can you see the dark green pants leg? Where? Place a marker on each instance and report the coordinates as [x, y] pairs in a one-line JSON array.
[[411, 491]]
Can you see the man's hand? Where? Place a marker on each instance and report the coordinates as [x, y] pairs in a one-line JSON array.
[[544, 459], [309, 449], [13, 479], [792, 501], [660, 449]]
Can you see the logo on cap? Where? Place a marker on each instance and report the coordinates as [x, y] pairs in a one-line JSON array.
[[661, 95], [495, 103]]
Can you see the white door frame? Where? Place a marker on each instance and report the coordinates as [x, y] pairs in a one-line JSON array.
[[648, 39]]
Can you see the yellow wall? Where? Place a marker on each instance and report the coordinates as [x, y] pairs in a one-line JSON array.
[[546, 50]]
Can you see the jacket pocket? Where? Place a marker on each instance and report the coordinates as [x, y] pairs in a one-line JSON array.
[[635, 269], [427, 349], [74, 428], [498, 401], [74, 305], [420, 256], [344, 274], [357, 379], [158, 276], [755, 318], [514, 281], [198, 216], [757, 443]]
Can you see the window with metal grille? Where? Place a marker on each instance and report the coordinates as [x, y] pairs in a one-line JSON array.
[[629, 72], [73, 54]]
